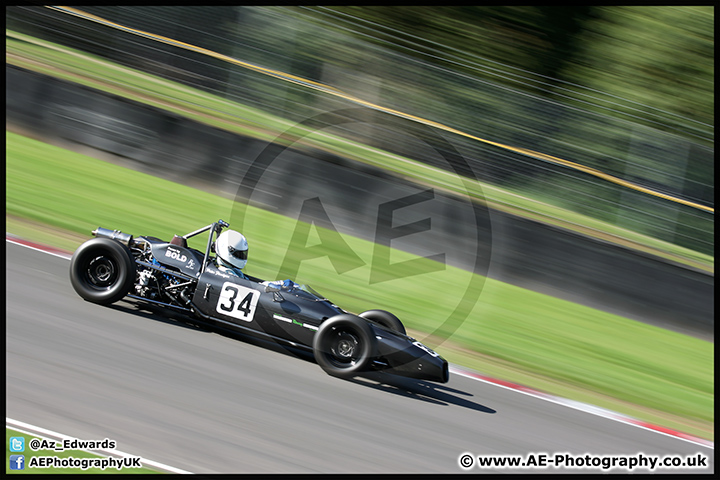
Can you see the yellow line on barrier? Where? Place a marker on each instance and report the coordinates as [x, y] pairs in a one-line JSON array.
[[334, 91]]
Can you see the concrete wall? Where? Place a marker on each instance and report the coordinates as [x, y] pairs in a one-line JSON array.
[[365, 202]]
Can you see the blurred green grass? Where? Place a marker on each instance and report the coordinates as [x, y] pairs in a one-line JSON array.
[[512, 333], [77, 66]]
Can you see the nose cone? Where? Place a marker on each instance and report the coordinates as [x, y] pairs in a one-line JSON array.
[[426, 367], [410, 358]]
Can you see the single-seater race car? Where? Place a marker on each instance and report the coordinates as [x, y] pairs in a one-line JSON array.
[[115, 265]]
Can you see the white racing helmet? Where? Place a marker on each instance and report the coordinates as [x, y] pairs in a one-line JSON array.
[[232, 248]]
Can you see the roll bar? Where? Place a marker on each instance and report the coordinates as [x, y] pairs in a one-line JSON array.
[[214, 227]]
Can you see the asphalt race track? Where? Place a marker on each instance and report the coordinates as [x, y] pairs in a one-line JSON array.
[[209, 403]]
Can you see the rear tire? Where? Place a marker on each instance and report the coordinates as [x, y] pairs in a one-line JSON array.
[[344, 346], [102, 271], [386, 319]]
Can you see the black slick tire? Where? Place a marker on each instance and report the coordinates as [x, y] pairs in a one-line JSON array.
[[386, 319], [102, 271], [344, 346]]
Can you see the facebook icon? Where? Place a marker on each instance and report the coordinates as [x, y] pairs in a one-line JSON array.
[[17, 462]]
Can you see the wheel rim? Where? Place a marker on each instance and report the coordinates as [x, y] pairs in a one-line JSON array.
[[344, 349], [101, 272]]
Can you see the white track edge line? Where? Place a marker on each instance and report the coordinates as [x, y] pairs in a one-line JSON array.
[[585, 407]]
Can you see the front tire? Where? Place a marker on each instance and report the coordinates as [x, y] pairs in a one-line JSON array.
[[386, 319], [102, 271], [344, 346]]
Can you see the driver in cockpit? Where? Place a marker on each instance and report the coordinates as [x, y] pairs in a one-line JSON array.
[[231, 250]]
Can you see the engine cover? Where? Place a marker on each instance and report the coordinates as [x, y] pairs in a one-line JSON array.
[[187, 260]]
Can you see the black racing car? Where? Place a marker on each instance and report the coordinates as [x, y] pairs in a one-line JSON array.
[[114, 265]]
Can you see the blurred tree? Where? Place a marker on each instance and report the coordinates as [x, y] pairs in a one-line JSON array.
[[659, 58], [536, 39]]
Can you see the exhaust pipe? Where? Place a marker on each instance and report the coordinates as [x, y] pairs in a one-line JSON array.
[[124, 238]]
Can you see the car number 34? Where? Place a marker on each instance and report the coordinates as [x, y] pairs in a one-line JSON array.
[[238, 302]]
